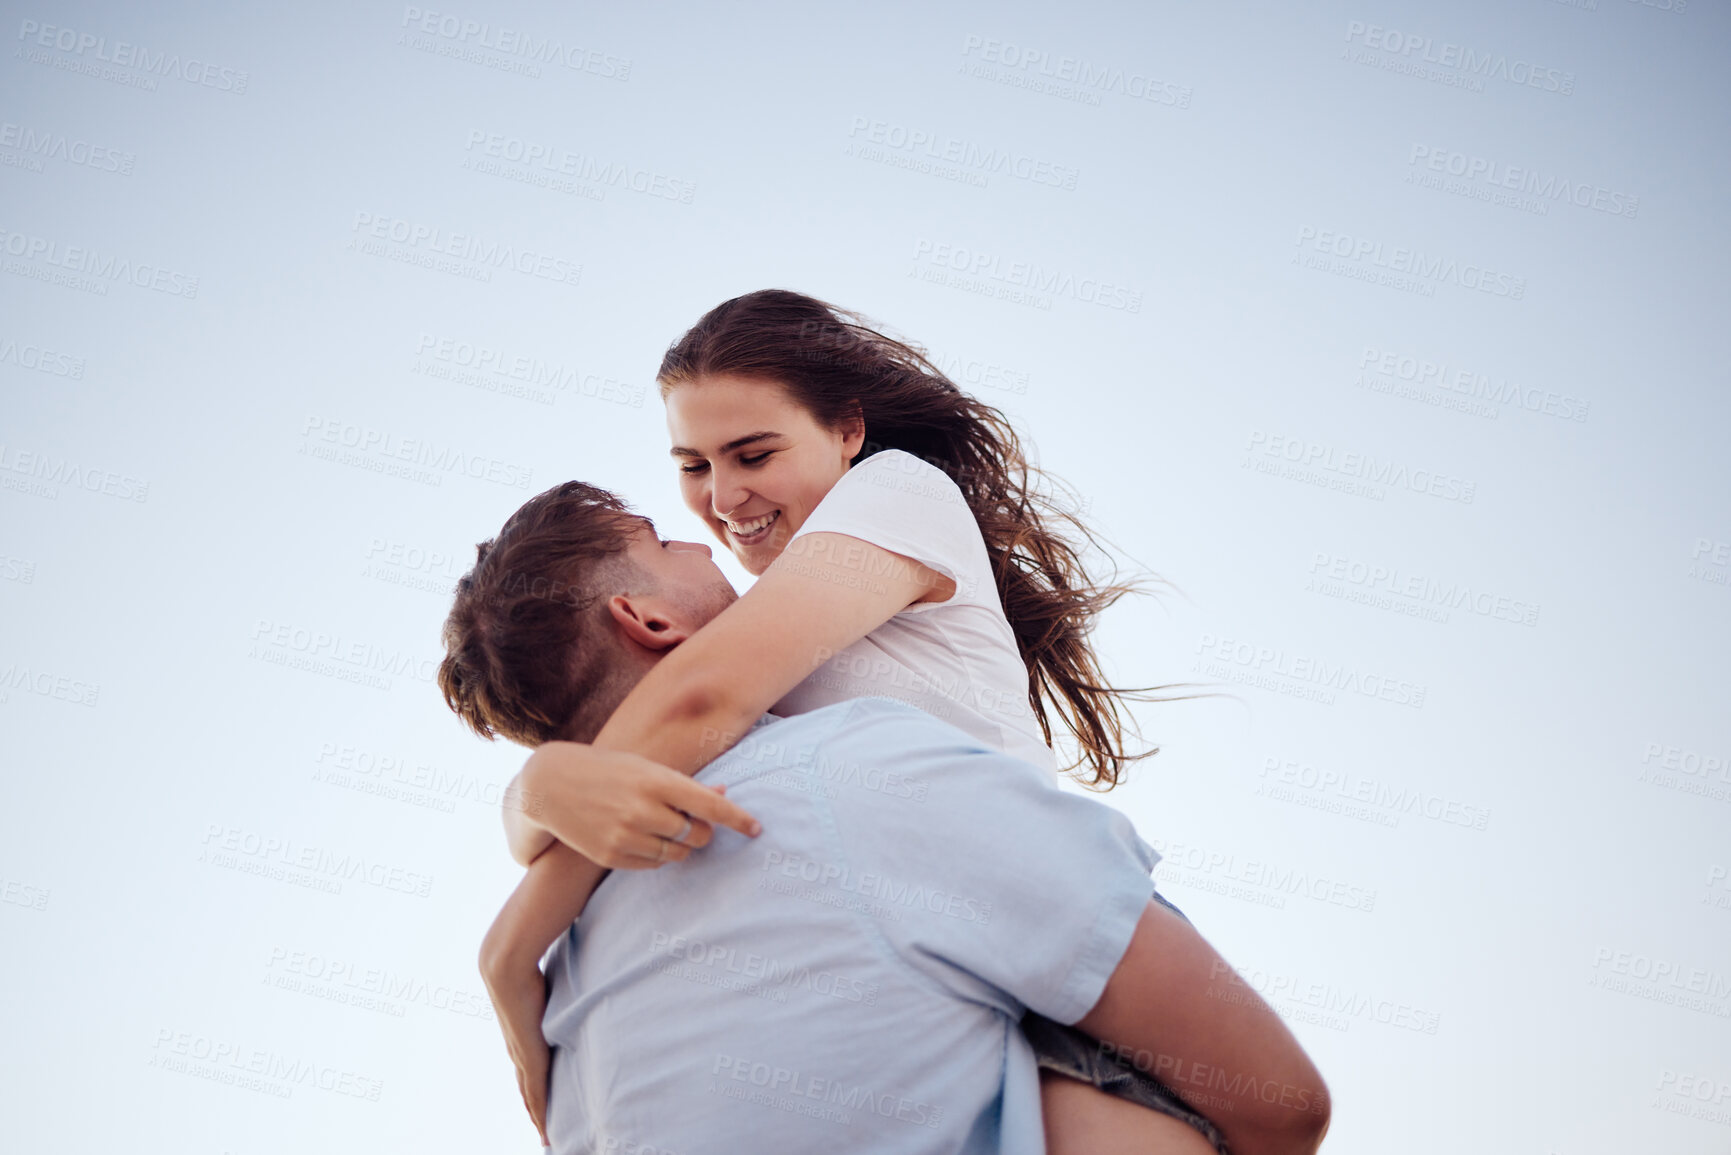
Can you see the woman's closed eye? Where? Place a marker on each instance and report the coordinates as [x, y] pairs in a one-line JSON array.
[[752, 459]]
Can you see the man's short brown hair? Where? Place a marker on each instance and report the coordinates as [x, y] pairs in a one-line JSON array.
[[528, 640]]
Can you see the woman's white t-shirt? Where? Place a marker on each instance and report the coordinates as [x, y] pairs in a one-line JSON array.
[[956, 659]]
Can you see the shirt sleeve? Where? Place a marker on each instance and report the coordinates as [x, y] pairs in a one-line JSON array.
[[980, 873], [896, 501]]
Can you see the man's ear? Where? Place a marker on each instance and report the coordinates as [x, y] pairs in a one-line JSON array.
[[646, 623]]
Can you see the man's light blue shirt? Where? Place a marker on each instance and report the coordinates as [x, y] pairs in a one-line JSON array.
[[851, 979]]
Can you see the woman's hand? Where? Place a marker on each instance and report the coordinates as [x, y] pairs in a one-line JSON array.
[[519, 1000], [551, 895], [518, 989], [622, 811]]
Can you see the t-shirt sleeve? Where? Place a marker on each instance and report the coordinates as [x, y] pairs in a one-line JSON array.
[[981, 873], [896, 501]]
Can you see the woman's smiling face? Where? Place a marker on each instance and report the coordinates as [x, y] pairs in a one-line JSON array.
[[753, 461]]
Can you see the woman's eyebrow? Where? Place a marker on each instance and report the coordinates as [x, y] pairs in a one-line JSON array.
[[736, 443]]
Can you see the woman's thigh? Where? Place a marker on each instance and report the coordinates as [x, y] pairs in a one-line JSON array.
[[1081, 1119]]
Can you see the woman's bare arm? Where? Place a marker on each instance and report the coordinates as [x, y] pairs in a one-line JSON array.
[[824, 593], [552, 894]]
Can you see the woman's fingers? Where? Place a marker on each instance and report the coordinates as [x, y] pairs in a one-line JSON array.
[[533, 1065], [699, 801], [693, 832], [530, 1105], [656, 815], [538, 1113], [647, 851]]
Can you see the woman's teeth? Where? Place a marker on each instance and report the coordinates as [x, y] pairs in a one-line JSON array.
[[753, 528]]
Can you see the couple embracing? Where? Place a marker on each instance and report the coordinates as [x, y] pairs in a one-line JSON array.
[[801, 855]]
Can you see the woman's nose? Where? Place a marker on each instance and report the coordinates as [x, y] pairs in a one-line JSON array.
[[727, 494]]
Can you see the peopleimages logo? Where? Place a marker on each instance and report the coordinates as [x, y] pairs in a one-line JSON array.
[[1364, 467], [1351, 787], [881, 139], [42, 144], [1484, 178], [1419, 588], [428, 241], [1439, 374], [346, 981], [892, 893], [1301, 675], [499, 370], [289, 637], [1022, 277], [1662, 980], [1195, 865], [41, 359], [347, 443], [1404, 48], [762, 970], [1336, 1002], [511, 42], [1368, 255], [47, 684], [785, 1088], [325, 865], [81, 262], [256, 1068], [1069, 77], [580, 167], [55, 471], [85, 47]]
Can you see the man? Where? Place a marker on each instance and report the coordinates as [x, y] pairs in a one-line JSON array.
[[853, 978]]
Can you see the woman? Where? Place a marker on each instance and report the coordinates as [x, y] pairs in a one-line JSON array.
[[802, 435]]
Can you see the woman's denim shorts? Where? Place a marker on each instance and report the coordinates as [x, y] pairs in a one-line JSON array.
[[1068, 1051]]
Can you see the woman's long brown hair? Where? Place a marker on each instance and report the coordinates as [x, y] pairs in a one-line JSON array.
[[836, 364]]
